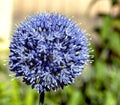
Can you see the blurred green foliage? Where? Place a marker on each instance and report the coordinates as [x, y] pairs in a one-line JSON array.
[[99, 84]]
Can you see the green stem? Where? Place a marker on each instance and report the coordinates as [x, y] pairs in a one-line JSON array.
[[41, 98]]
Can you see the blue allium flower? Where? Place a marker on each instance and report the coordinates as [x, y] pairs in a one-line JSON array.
[[48, 51]]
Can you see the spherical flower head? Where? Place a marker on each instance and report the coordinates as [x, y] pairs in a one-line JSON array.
[[48, 51]]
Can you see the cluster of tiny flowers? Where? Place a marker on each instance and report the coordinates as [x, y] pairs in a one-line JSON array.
[[48, 51]]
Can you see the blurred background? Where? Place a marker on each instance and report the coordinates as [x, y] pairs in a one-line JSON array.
[[100, 81]]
